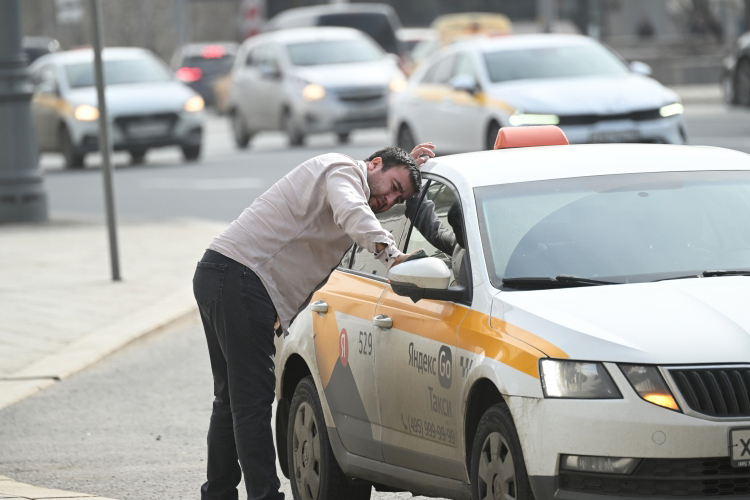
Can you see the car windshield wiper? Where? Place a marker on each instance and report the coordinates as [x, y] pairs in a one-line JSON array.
[[711, 273], [559, 281], [725, 272]]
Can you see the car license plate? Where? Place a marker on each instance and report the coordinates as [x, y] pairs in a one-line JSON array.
[[623, 136], [154, 128], [739, 447]]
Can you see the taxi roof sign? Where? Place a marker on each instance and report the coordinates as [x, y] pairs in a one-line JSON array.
[[534, 135]]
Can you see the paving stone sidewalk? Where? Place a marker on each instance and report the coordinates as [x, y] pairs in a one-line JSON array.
[[59, 310]]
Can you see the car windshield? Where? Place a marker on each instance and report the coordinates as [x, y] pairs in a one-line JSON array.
[[374, 24], [552, 62], [140, 70], [209, 65], [620, 228], [333, 52]]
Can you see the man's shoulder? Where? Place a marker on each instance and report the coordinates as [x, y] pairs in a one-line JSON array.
[[335, 159]]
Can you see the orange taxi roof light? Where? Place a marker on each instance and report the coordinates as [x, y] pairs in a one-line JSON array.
[[533, 135]]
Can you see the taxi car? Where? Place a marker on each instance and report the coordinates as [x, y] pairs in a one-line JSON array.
[[594, 341], [148, 106], [463, 94]]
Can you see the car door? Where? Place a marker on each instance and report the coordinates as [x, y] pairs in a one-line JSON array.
[[343, 311], [269, 88], [245, 89], [429, 101], [415, 363], [45, 107], [465, 109]]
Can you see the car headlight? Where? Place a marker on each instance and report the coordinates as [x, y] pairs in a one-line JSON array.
[[517, 119], [313, 92], [398, 84], [650, 385], [577, 380], [194, 104], [672, 109], [86, 113]]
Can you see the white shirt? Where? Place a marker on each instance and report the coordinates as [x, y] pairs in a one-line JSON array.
[[296, 233]]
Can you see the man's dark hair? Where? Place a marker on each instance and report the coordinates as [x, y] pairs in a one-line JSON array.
[[397, 157]]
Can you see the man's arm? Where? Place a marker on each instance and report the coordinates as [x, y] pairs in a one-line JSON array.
[[352, 213]]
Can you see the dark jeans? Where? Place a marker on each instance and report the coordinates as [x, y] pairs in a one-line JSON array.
[[238, 318]]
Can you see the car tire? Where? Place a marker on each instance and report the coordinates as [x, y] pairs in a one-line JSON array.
[[296, 137], [727, 88], [492, 130], [137, 157], [191, 153], [742, 82], [73, 158], [498, 470], [344, 137], [239, 128], [315, 477], [405, 139]]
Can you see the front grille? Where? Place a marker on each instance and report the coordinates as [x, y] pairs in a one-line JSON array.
[[167, 119], [361, 95], [692, 477], [646, 114], [717, 392]]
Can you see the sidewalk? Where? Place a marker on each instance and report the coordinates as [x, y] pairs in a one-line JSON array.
[[60, 312]]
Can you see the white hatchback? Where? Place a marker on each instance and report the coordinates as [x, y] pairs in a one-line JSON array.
[[463, 95], [581, 330]]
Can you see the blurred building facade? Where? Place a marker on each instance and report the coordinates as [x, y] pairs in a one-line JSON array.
[[682, 39]]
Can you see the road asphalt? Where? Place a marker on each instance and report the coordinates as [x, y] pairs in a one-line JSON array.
[[61, 312]]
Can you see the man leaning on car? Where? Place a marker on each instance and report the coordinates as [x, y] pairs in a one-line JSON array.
[[262, 270]]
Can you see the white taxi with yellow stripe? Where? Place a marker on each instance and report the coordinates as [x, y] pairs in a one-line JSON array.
[[461, 96], [581, 330]]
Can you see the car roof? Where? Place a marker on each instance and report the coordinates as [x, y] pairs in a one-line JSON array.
[[506, 166], [307, 34], [516, 42], [87, 54], [318, 10]]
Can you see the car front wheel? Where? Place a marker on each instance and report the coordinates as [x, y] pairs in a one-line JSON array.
[[191, 153], [241, 135], [406, 138], [314, 472], [498, 471], [742, 83]]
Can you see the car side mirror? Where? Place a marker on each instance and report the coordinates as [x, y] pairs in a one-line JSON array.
[[427, 278], [464, 83], [641, 68]]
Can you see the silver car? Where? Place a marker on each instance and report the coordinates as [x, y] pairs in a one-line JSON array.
[[311, 80], [147, 105]]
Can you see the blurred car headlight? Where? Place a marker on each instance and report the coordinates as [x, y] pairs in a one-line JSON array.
[[313, 92], [650, 385], [577, 380], [86, 113], [398, 84], [517, 119], [194, 104], [672, 109]]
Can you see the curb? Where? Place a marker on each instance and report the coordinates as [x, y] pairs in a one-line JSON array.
[[13, 490], [176, 310]]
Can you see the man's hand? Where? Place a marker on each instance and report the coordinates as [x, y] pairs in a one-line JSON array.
[[422, 152], [403, 257]]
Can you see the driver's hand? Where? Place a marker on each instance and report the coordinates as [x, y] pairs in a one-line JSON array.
[[422, 152]]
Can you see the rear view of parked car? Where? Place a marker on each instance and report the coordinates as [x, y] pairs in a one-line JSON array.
[[148, 107], [199, 65], [311, 80]]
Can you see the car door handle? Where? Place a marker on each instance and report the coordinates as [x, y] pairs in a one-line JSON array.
[[320, 307], [382, 321]]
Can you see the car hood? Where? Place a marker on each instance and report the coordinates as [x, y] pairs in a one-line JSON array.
[[139, 98], [370, 74], [699, 320], [602, 95]]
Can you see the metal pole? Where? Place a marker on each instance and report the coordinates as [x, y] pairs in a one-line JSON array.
[[105, 144], [22, 195]]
